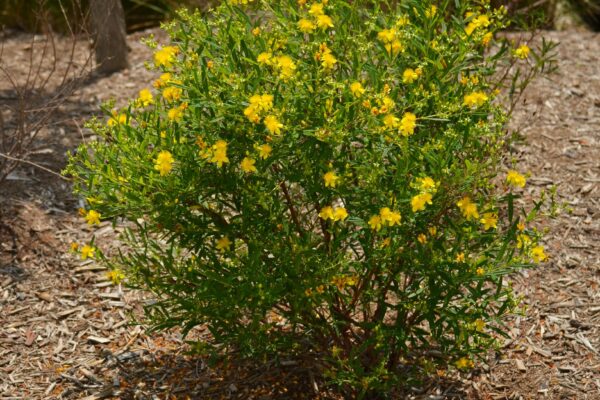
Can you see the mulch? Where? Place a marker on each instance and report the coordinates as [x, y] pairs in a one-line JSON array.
[[66, 331]]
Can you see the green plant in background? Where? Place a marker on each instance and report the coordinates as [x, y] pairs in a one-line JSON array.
[[588, 10], [66, 16], [324, 179], [141, 14], [71, 15]]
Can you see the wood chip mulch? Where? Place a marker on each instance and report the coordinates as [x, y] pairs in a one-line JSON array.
[[65, 330]]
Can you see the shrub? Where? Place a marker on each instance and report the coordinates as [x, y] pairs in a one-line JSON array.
[[324, 178]]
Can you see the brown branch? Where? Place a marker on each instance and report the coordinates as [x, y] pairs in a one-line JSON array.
[[20, 160], [291, 207]]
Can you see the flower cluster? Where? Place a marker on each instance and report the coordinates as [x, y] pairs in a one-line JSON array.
[[391, 41], [164, 162], [386, 217], [427, 187], [333, 213]]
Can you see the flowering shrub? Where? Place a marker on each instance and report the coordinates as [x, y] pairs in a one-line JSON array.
[[325, 178]]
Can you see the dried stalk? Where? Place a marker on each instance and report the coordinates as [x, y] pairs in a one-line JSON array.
[[33, 102]]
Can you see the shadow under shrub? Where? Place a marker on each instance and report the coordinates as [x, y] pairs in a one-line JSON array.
[[324, 178]]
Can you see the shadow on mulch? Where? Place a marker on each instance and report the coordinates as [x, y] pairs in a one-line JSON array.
[[173, 375], [9, 266]]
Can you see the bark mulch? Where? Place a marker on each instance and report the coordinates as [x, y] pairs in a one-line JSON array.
[[65, 331]]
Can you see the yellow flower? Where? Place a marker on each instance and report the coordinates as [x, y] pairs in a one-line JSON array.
[[483, 20], [538, 254], [251, 113], [87, 251], [375, 223], [165, 56], [357, 89], [262, 102], [432, 231], [464, 363], [145, 97], [117, 119], [522, 52], [164, 162], [175, 114], [247, 165], [256, 31], [266, 102], [220, 145], [258, 104], [489, 221], [408, 124], [351, 280], [316, 9], [487, 38], [326, 213], [480, 271], [164, 80], [264, 58], [468, 208], [390, 121], [273, 124], [306, 26], [479, 325], [475, 99], [477, 22], [172, 93], [223, 244], [402, 21], [394, 48], [431, 11], [390, 217], [220, 157], [93, 217], [286, 66], [409, 75], [422, 238], [387, 35], [264, 151], [330, 179], [74, 247], [340, 214], [460, 258], [387, 104], [343, 281], [324, 22], [419, 201], [515, 179], [328, 61], [523, 241], [521, 226], [116, 276], [427, 184]]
